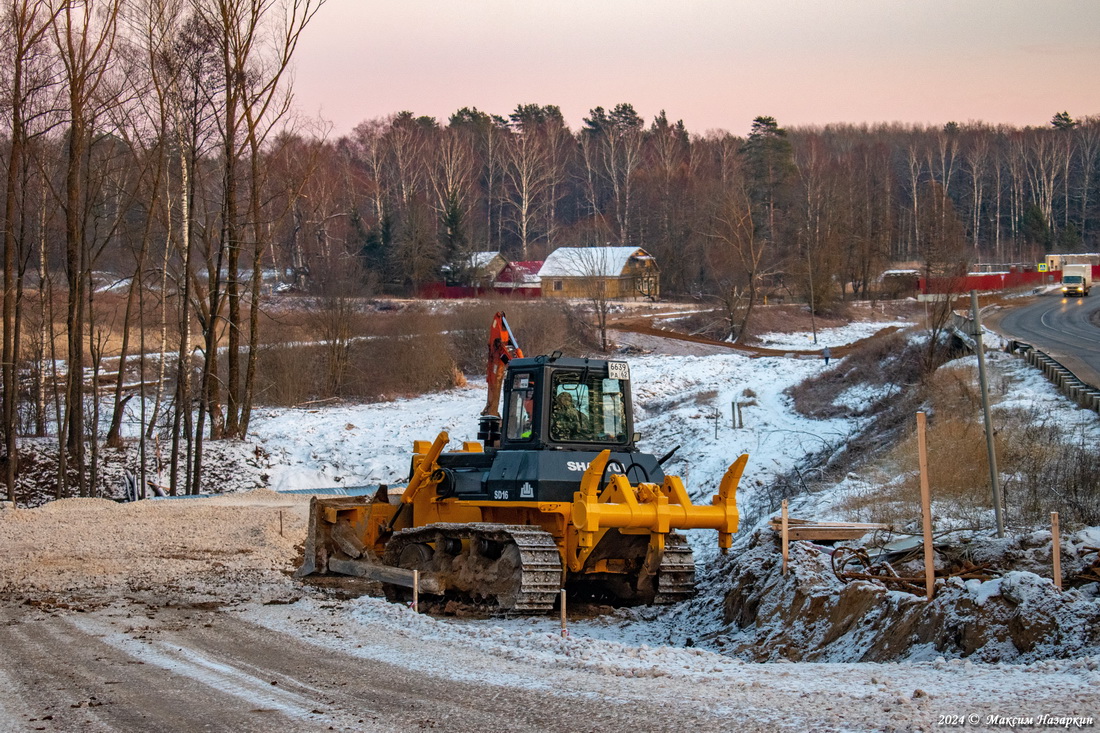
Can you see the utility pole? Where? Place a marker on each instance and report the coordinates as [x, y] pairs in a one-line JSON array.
[[989, 443]]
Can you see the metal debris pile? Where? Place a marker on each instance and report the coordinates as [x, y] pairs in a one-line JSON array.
[[858, 563]]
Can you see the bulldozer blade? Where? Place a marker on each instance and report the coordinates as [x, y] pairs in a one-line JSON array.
[[332, 529], [385, 574]]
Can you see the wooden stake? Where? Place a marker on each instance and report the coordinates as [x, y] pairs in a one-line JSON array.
[[280, 522], [926, 509], [1056, 549], [564, 631], [416, 591], [786, 536]]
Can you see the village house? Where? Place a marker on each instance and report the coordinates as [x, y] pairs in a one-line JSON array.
[[519, 279], [479, 270], [615, 273]]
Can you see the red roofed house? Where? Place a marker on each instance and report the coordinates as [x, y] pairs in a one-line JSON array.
[[520, 279]]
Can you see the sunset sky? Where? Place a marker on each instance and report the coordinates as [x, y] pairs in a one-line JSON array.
[[711, 63]]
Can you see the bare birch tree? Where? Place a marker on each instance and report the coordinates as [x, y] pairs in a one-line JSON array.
[[976, 155], [528, 173], [1088, 142], [618, 135], [452, 184]]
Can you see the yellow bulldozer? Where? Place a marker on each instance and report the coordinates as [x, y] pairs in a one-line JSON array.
[[554, 494]]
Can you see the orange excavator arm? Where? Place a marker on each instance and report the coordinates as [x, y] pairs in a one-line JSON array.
[[502, 349]]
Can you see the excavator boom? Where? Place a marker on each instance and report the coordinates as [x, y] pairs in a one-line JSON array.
[[502, 349]]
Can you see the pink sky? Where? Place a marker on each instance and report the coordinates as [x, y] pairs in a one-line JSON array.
[[711, 63]]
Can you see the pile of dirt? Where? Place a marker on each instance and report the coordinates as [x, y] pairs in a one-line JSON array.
[[810, 615], [202, 550]]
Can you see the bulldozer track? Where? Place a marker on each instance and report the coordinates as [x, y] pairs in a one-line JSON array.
[[676, 573], [524, 580]]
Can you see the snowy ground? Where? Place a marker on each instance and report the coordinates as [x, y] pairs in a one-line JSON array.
[[684, 401], [827, 336], [531, 654], [677, 399]]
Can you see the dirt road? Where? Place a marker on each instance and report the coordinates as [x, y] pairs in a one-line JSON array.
[[329, 665], [168, 616], [180, 669]]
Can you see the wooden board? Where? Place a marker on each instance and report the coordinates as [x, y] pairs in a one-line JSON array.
[[344, 537], [804, 529], [825, 534]]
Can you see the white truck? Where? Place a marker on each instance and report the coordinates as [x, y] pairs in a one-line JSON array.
[[1076, 280]]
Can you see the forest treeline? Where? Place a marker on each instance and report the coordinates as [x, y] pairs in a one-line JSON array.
[[150, 144], [408, 195]]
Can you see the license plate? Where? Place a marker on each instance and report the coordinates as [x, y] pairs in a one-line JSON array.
[[618, 370]]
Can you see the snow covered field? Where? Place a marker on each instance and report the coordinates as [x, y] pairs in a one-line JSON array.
[[804, 341], [679, 401]]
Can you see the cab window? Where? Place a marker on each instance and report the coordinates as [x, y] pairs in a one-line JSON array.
[[588, 411], [521, 407]]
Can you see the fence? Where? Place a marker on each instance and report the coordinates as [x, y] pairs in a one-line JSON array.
[[993, 281], [987, 281]]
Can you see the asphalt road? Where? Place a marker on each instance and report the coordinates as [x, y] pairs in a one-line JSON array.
[[1065, 328]]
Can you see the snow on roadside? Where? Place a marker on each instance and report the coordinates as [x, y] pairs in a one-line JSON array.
[[1020, 386]]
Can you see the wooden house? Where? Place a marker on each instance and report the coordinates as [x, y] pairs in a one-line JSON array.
[[615, 273]]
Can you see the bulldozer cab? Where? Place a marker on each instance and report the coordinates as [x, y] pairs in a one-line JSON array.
[[567, 404]]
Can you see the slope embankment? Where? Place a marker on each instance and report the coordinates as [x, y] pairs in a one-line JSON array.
[[809, 614]]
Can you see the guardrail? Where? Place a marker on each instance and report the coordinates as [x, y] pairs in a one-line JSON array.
[[1072, 386], [964, 328], [1085, 395]]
